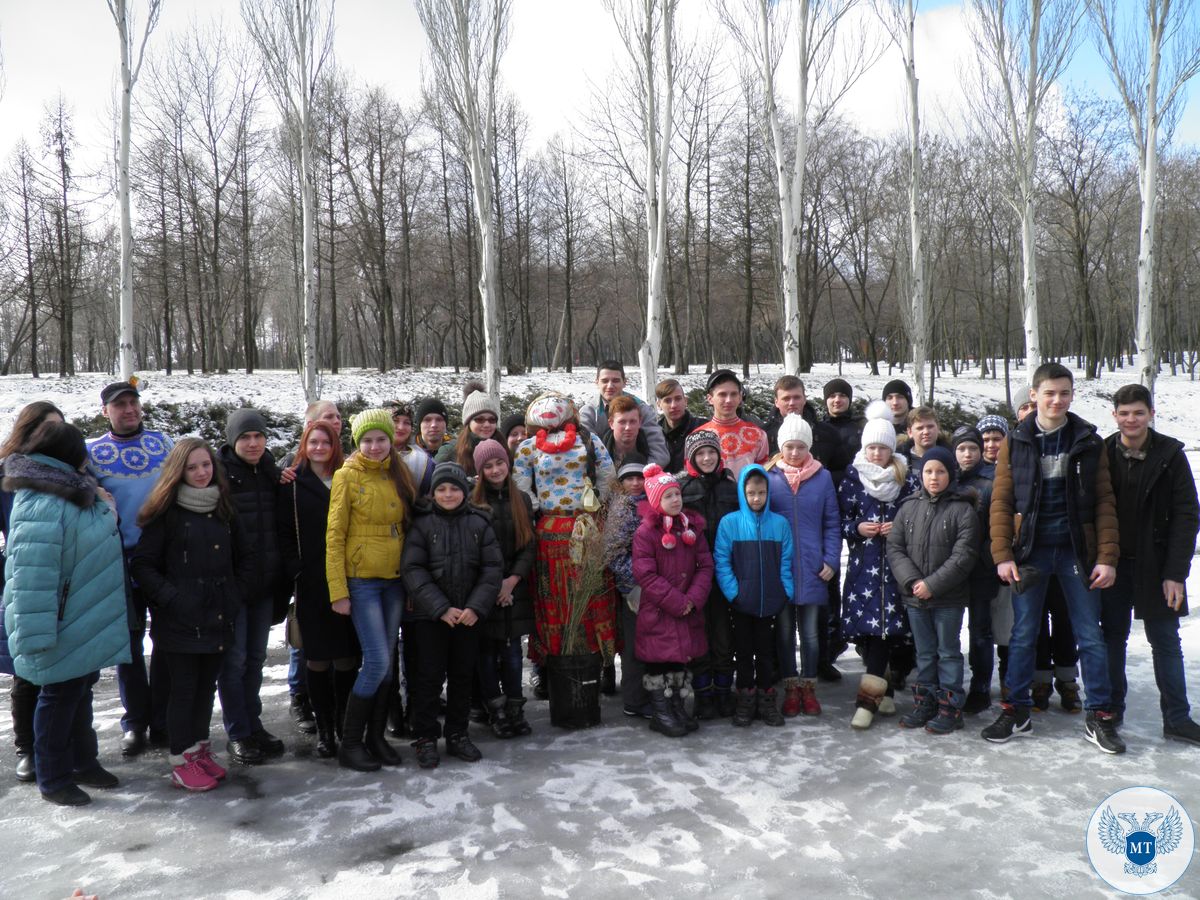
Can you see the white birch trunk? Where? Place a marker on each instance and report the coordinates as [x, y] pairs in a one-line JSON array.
[[919, 338], [1033, 341], [791, 196], [1148, 183], [308, 212], [480, 165], [125, 342]]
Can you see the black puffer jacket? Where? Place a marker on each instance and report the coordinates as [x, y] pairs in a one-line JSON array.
[[451, 559], [849, 428], [980, 479], [508, 622], [675, 440], [193, 568], [255, 492], [935, 539], [714, 496]]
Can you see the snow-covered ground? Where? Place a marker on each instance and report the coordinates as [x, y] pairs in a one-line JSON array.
[[813, 808]]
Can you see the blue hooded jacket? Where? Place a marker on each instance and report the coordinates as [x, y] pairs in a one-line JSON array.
[[753, 556]]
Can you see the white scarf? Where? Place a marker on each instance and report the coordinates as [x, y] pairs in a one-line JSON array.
[[880, 481]]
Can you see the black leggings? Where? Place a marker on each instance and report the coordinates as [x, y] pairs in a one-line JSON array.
[[190, 703], [753, 651], [878, 653]]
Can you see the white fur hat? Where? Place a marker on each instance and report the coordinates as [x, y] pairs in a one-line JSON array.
[[794, 428]]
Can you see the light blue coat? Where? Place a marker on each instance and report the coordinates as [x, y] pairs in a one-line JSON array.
[[64, 592]]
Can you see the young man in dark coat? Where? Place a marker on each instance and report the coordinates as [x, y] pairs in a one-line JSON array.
[[254, 486], [676, 422], [839, 396], [1158, 518], [1053, 513]]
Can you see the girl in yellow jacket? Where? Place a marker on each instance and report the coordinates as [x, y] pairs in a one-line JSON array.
[[370, 506]]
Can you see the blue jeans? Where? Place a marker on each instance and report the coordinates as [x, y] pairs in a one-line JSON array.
[[981, 653], [1163, 634], [937, 635], [63, 740], [1083, 606], [242, 671], [499, 668], [296, 667], [808, 619], [376, 606]]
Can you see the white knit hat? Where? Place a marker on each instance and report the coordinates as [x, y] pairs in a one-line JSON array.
[[879, 428], [794, 428]]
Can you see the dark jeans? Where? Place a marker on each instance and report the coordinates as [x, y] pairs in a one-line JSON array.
[[717, 662], [1056, 652], [807, 619], [754, 649], [64, 742], [981, 653], [831, 641], [376, 608], [936, 633], [1084, 607], [189, 710], [1163, 634], [445, 654], [23, 697], [296, 672], [242, 670], [633, 692], [499, 668]]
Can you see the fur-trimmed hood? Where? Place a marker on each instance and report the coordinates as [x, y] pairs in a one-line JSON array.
[[48, 476]]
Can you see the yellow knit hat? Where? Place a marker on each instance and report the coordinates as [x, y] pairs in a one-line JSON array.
[[372, 420]]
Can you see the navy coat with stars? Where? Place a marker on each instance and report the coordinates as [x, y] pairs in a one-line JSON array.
[[871, 602]]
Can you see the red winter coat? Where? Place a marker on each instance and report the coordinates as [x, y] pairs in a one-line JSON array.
[[670, 579]]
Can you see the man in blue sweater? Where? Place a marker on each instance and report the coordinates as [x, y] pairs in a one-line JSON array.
[[126, 461]]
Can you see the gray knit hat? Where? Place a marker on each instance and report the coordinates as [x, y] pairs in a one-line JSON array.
[[241, 421], [479, 402]]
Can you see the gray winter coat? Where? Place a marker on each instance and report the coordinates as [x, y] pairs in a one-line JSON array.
[[935, 539]]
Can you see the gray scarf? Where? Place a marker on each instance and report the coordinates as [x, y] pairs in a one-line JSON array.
[[198, 500]]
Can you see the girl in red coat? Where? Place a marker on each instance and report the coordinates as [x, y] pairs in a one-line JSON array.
[[673, 566]]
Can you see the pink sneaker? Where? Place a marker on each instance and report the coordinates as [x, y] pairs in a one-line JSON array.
[[189, 775], [210, 766]]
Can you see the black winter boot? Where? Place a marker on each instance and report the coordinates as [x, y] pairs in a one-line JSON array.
[[743, 713], [681, 689], [397, 723], [515, 707], [608, 680], [768, 708], [663, 719], [376, 742], [352, 754], [324, 706], [924, 708], [726, 701], [949, 716], [302, 714], [343, 686], [706, 707], [497, 709]]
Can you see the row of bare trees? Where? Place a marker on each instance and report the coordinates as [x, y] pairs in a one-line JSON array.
[[289, 216]]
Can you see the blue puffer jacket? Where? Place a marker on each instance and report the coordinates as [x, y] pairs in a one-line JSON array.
[[6, 502], [64, 593], [816, 525], [753, 556]]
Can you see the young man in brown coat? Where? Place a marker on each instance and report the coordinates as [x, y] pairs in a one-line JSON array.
[[1053, 513]]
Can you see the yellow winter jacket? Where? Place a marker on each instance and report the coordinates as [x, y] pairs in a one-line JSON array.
[[365, 532]]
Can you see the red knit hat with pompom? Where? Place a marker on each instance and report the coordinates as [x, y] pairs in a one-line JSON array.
[[658, 483]]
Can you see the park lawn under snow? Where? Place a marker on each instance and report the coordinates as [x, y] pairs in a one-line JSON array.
[[811, 809]]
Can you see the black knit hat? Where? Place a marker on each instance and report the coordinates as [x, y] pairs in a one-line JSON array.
[[429, 406], [242, 420], [965, 434], [508, 423], [838, 386], [58, 440], [452, 473], [720, 377], [898, 386]]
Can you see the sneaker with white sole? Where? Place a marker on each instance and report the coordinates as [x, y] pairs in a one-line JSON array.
[[211, 767], [1012, 722], [1101, 730], [188, 774]]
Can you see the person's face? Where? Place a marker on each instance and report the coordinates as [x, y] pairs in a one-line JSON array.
[[1025, 409], [794, 453], [124, 413], [318, 447], [935, 477], [705, 460], [674, 405], [725, 398], [968, 455], [625, 427], [634, 484], [672, 502], [923, 433], [433, 429], [1053, 398], [515, 437], [611, 383], [250, 446], [991, 445], [878, 454], [837, 403], [403, 427], [1134, 420], [375, 445], [483, 425], [198, 470], [495, 471], [790, 401], [756, 494], [330, 414], [898, 404], [448, 496]]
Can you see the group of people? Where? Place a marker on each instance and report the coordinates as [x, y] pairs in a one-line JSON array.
[[443, 563]]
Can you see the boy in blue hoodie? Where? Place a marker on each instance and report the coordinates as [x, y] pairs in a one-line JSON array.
[[753, 560]]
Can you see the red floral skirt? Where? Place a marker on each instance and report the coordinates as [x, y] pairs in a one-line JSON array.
[[554, 573]]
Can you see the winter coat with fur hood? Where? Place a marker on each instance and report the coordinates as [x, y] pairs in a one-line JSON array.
[[64, 594], [671, 579]]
